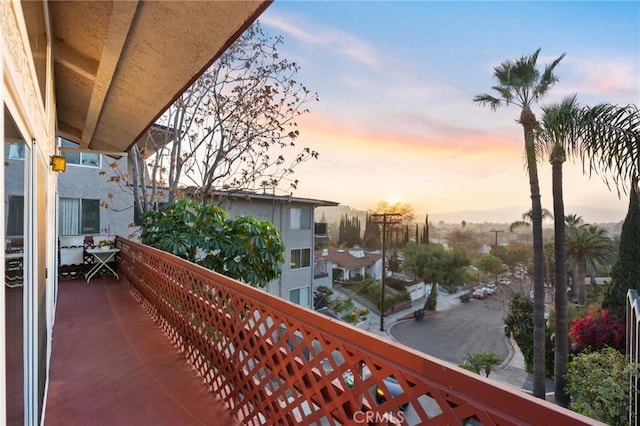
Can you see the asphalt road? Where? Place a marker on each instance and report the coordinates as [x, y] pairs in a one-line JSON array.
[[476, 326]]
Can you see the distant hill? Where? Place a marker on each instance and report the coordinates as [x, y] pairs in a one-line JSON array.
[[333, 214], [504, 215], [511, 214]]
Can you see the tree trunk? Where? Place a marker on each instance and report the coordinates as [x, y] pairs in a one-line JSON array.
[[561, 340], [581, 296], [528, 121], [432, 299], [574, 285]]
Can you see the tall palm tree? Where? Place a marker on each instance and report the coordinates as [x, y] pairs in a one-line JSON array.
[[521, 83], [586, 246], [565, 130], [557, 136]]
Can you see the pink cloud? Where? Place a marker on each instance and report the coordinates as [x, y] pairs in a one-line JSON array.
[[330, 133]]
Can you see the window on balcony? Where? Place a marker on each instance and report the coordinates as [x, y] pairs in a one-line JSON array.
[[300, 258], [16, 151], [79, 216], [300, 218], [300, 296], [15, 215], [80, 158]]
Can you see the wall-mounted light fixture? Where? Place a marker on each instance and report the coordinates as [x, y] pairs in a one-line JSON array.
[[58, 163]]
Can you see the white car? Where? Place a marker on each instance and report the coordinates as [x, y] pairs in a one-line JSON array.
[[489, 290]]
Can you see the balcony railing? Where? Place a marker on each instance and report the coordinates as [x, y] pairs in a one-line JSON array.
[[273, 362]]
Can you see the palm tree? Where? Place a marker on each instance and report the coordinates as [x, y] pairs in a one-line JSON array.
[[526, 219], [556, 136], [616, 154], [586, 246], [572, 222], [520, 82]]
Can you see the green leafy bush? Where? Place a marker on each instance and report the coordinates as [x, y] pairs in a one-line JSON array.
[[352, 317], [599, 385], [520, 323], [244, 248]]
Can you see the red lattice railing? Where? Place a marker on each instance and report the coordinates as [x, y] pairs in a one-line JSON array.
[[273, 362]]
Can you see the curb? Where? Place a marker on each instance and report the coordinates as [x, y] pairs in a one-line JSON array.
[[512, 353]]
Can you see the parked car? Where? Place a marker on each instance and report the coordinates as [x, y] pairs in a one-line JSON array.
[[489, 290], [479, 294], [394, 389]]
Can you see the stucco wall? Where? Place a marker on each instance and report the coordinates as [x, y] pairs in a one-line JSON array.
[[277, 212], [86, 182], [83, 182]]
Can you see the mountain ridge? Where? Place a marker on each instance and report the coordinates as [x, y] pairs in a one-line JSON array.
[[504, 215]]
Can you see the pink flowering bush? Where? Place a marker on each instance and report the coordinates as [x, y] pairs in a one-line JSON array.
[[596, 331]]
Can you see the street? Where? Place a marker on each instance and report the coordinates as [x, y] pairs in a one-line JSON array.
[[476, 326]]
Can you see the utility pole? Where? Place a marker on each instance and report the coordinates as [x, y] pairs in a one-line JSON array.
[[495, 250], [384, 219], [496, 246]]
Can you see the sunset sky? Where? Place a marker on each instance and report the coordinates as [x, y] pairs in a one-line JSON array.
[[396, 80]]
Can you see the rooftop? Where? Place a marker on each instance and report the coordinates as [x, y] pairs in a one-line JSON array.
[[349, 258]]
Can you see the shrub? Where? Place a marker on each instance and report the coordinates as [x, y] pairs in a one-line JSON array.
[[481, 361], [244, 248], [520, 322], [352, 317], [341, 304], [324, 289], [596, 331], [599, 385]]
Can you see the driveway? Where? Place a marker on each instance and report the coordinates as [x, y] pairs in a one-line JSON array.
[[476, 326]]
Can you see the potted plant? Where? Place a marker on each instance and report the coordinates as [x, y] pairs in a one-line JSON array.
[[104, 244]]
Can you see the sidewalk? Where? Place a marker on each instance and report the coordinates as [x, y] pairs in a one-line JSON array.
[[511, 372]]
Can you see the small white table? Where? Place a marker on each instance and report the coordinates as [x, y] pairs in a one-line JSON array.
[[102, 257]]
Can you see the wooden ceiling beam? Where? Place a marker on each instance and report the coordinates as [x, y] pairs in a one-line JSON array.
[[120, 21], [74, 61]]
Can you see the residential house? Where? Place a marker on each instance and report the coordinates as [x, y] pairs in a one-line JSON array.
[[353, 263], [294, 218]]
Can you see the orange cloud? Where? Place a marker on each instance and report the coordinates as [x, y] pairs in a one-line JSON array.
[[330, 134]]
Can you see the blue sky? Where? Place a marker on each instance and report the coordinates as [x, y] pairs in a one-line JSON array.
[[396, 81]]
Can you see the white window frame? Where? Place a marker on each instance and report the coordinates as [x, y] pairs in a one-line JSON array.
[[81, 155], [301, 302], [78, 216], [301, 251], [296, 216]]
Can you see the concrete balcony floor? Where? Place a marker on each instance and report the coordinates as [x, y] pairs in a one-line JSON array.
[[112, 365]]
